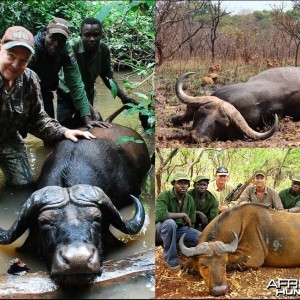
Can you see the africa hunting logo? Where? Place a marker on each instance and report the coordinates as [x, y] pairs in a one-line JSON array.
[[21, 35], [285, 287]]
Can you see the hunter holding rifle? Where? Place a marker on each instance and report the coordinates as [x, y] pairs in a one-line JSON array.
[[260, 193], [220, 188], [236, 193]]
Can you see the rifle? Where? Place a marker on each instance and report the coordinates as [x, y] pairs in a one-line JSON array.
[[236, 193]]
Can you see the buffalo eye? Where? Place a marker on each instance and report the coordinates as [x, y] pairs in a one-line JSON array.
[[203, 266]]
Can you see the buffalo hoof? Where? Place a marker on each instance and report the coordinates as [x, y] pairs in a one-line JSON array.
[[179, 120]]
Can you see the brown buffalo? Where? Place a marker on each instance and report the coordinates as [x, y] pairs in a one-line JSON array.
[[247, 236]]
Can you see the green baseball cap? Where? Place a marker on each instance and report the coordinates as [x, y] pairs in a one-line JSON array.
[[180, 176], [260, 173], [296, 178], [201, 177]]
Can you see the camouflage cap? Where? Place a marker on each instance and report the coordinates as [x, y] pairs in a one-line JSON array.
[[180, 176], [296, 178], [201, 177]]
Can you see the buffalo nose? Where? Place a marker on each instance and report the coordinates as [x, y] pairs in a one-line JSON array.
[[77, 255], [79, 258], [219, 290]]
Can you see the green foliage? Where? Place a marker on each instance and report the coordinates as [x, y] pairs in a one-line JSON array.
[[262, 14], [113, 88], [128, 28], [34, 14], [126, 139]]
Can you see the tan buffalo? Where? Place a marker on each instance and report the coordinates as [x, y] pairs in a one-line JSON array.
[[248, 236]]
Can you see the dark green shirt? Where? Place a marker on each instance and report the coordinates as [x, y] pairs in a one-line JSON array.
[[166, 202], [48, 66], [91, 66], [210, 205], [288, 200]]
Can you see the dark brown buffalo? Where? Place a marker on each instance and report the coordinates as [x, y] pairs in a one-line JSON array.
[[247, 236], [239, 110], [81, 188]]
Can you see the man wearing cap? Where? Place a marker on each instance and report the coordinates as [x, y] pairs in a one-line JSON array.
[[21, 107], [221, 187], [53, 53], [175, 214], [94, 60], [290, 197], [206, 203], [260, 193]]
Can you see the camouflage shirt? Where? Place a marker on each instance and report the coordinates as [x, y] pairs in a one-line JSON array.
[[21, 108]]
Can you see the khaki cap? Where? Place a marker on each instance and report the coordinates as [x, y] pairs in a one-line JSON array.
[[180, 176], [201, 177], [59, 25], [260, 173], [296, 178]]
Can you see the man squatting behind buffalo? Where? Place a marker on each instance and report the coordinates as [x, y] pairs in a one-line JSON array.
[[21, 107]]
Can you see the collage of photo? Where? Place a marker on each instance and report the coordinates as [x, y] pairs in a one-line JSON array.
[[148, 149]]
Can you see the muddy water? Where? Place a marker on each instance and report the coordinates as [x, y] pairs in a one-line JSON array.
[[11, 201]]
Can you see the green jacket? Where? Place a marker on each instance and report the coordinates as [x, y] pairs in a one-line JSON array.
[[99, 64], [288, 200], [48, 66], [22, 109], [210, 206], [166, 202]]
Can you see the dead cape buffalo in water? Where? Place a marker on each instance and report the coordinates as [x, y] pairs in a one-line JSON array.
[[238, 110], [82, 186], [247, 236]]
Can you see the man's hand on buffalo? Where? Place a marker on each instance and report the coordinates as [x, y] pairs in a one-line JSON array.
[[89, 123], [223, 208], [96, 116], [71, 134]]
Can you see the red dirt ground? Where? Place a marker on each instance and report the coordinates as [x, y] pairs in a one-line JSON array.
[[167, 136], [251, 284]]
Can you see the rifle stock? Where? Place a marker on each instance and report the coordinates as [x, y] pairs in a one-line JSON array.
[[236, 193]]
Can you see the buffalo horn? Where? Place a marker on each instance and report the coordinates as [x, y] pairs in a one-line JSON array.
[[131, 226], [30, 210], [201, 249], [228, 248]]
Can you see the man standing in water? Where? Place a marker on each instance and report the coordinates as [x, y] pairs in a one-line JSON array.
[[94, 60], [21, 108]]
